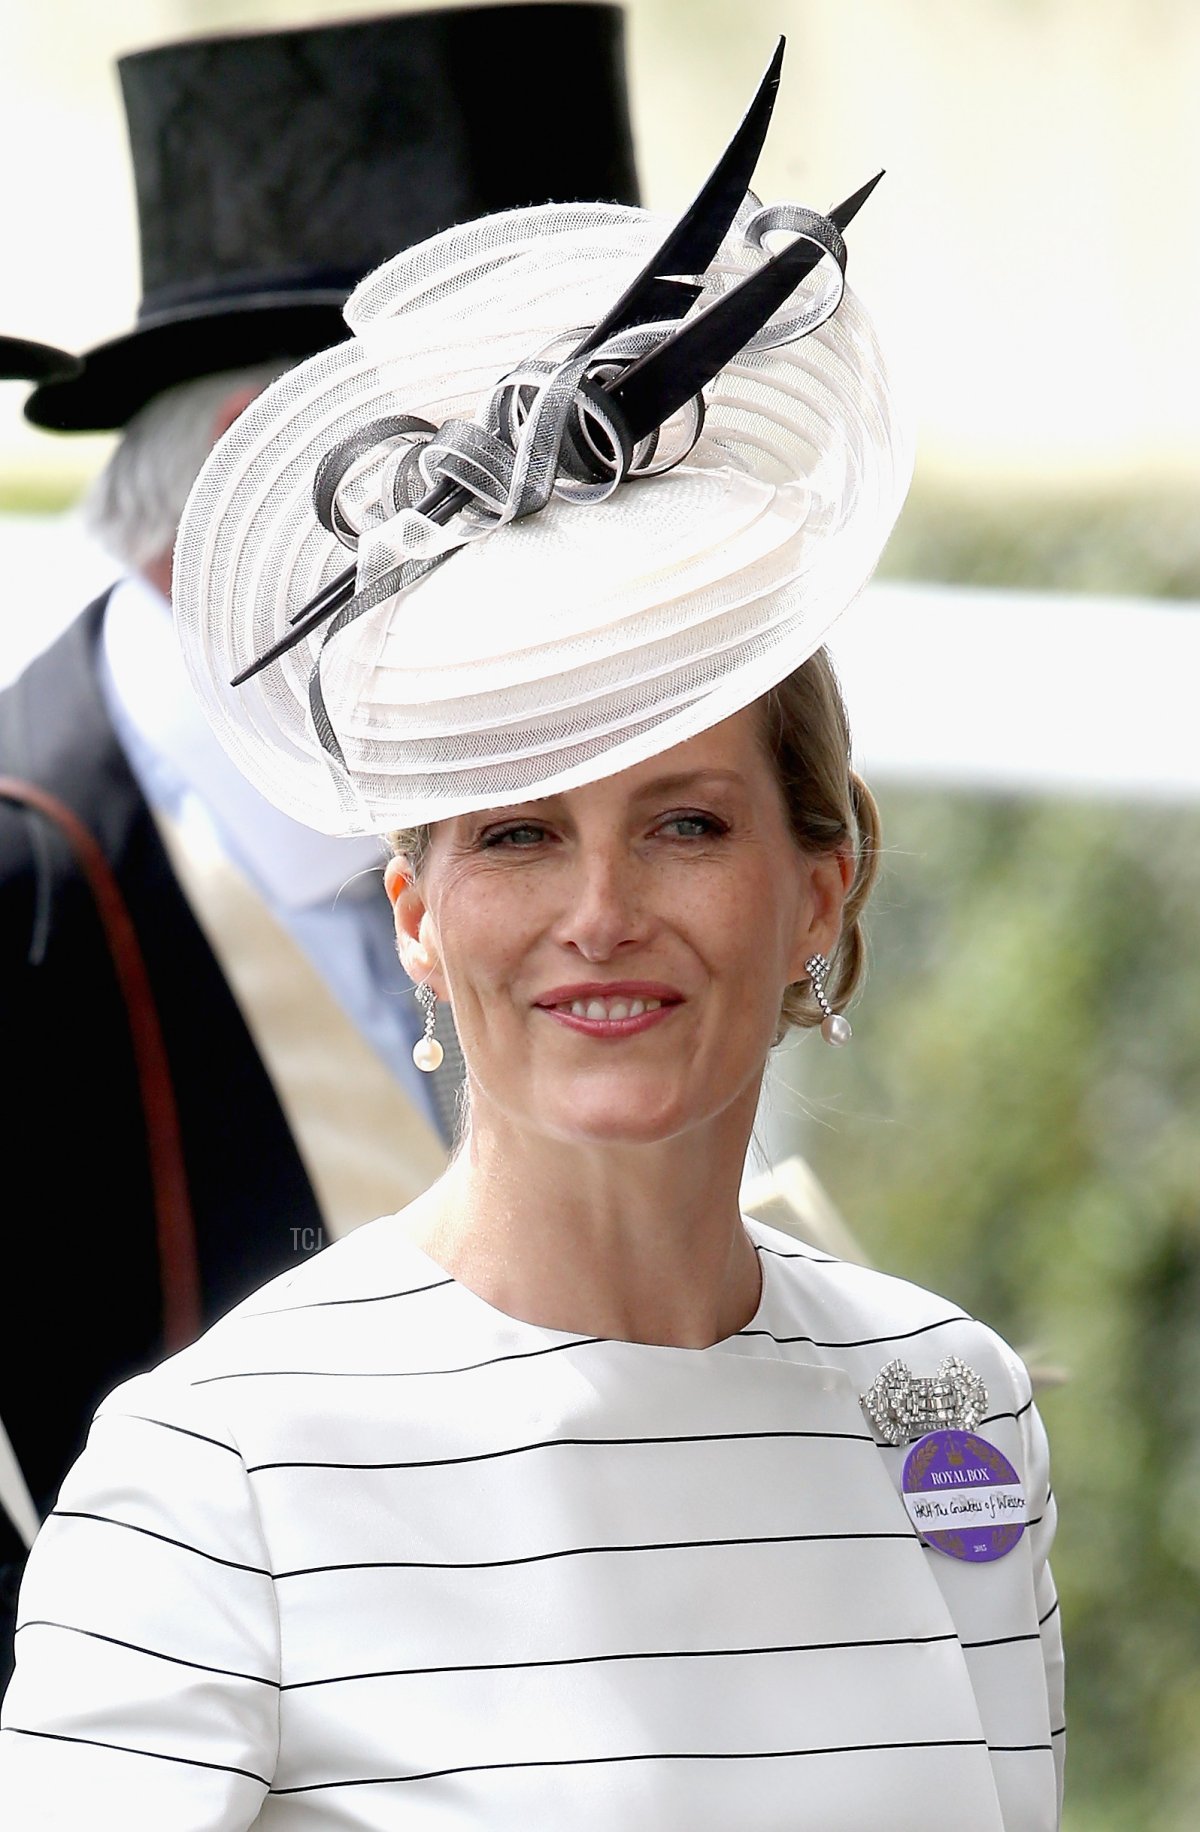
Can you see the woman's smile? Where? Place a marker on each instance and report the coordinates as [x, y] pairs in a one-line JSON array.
[[610, 1011]]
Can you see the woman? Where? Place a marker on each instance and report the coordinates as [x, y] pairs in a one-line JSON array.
[[565, 1495]]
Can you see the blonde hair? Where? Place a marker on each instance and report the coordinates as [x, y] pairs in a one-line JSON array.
[[806, 735]]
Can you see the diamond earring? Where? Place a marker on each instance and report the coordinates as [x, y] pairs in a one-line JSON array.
[[427, 1051], [834, 1028]]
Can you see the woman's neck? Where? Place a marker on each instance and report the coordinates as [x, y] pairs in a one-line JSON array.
[[639, 1243]]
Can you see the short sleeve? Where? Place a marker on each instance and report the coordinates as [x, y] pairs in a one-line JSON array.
[[146, 1689]]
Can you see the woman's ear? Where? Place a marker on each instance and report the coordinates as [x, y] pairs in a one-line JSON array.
[[416, 936], [819, 919]]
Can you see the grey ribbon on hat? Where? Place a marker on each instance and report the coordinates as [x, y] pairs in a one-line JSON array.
[[795, 219], [547, 430]]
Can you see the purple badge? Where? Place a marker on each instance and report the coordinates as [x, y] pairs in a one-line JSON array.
[[963, 1496]]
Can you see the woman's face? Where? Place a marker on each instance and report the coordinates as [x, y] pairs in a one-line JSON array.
[[616, 955]]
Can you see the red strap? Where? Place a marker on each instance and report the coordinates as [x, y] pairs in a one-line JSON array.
[[178, 1264]]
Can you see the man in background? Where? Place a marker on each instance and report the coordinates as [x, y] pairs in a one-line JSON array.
[[208, 1034]]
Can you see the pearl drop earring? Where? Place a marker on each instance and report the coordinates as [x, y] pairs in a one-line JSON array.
[[427, 1051], [834, 1028]]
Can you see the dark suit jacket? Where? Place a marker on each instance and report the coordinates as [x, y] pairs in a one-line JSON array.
[[82, 1306]]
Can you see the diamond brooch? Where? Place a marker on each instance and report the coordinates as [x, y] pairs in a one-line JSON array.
[[903, 1406]]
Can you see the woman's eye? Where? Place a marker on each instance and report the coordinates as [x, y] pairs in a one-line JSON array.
[[522, 835], [695, 826]]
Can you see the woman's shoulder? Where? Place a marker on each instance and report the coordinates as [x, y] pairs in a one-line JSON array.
[[861, 1318]]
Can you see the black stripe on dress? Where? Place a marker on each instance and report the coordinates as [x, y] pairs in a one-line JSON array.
[[861, 1342], [1001, 1641], [521, 1450], [144, 1418], [554, 1348], [538, 1558], [584, 1660], [371, 1297], [127, 1749], [130, 1526], [994, 1417], [135, 1647], [813, 1258], [663, 1755], [468, 1367]]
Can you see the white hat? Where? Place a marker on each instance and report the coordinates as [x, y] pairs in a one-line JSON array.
[[516, 649]]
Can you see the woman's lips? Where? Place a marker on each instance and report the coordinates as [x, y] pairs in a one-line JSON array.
[[610, 1011]]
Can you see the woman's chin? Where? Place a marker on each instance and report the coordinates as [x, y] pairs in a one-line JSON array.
[[621, 1110], [610, 1104]]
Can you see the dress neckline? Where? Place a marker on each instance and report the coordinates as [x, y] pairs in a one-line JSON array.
[[548, 1333]]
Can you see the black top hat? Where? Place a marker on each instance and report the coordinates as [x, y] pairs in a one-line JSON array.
[[274, 170], [22, 361]]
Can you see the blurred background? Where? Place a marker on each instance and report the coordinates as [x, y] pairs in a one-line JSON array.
[[1016, 1121]]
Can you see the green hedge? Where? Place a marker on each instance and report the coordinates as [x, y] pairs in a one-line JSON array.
[[1132, 541]]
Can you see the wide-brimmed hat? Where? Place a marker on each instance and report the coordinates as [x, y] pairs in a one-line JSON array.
[[273, 170], [24, 361], [575, 547]]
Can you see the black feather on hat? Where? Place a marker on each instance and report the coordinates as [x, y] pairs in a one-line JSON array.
[[274, 170]]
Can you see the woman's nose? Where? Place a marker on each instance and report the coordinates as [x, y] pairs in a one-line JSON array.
[[605, 908]]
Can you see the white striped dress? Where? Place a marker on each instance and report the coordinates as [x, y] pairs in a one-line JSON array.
[[374, 1554]]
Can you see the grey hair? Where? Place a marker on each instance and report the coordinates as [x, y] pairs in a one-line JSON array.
[[133, 507]]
